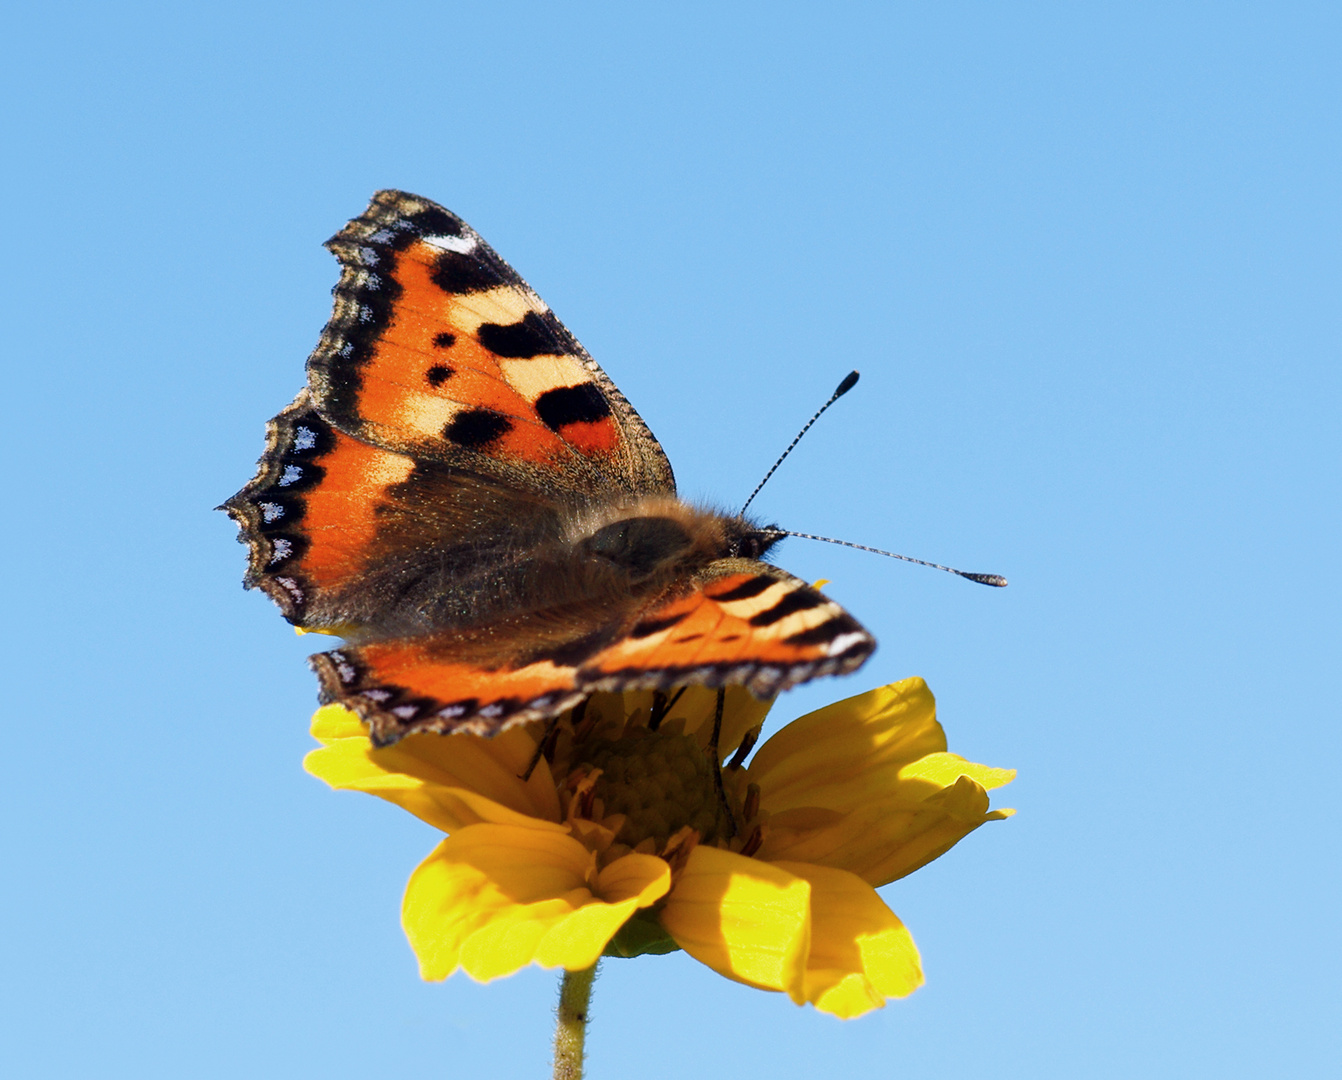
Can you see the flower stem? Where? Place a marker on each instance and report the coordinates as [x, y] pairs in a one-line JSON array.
[[575, 991]]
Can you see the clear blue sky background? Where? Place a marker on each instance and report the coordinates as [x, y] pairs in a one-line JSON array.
[[1087, 259]]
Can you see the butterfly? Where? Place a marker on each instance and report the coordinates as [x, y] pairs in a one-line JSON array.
[[463, 495]]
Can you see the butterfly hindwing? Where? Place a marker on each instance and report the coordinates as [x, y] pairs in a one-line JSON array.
[[745, 623], [345, 535]]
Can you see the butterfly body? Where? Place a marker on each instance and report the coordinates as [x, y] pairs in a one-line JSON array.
[[463, 494]]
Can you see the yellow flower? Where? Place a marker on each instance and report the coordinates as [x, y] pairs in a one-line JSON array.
[[619, 841]]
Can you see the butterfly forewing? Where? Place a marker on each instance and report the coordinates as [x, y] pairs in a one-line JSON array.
[[438, 349]]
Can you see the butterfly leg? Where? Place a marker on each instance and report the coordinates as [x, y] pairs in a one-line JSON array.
[[546, 746], [716, 760], [661, 707], [742, 751], [546, 742]]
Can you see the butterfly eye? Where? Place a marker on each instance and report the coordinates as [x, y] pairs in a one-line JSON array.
[[639, 545]]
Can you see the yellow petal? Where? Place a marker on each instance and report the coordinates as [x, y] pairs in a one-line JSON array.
[[861, 954], [745, 919], [493, 898], [943, 770], [445, 808], [866, 785], [643, 878], [340, 630], [947, 818], [827, 757], [885, 840], [449, 781], [741, 711], [332, 722]]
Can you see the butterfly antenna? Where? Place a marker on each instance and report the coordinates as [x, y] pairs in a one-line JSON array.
[[849, 381], [995, 580]]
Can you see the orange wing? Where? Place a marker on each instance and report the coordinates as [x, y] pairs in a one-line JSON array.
[[747, 624], [437, 349]]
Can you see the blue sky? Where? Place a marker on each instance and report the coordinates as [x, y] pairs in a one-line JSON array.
[[1086, 257]]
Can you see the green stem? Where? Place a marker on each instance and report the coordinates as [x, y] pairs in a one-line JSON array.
[[575, 991]]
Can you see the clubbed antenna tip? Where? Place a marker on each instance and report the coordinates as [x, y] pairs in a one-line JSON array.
[[997, 581], [849, 381]]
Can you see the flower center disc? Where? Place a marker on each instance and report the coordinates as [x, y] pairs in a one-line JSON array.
[[660, 782]]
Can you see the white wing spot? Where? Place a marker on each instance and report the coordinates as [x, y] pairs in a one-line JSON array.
[[304, 438], [843, 642], [291, 587], [406, 712], [292, 474], [492, 710], [377, 695], [452, 711], [271, 511], [281, 549], [369, 256], [462, 245], [381, 236]]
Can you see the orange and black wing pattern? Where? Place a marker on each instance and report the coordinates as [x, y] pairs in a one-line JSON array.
[[744, 624], [448, 411], [437, 349]]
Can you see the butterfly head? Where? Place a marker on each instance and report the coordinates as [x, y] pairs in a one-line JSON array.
[[744, 539], [661, 535]]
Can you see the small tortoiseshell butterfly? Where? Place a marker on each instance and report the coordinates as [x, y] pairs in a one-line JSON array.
[[464, 495]]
